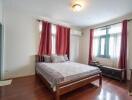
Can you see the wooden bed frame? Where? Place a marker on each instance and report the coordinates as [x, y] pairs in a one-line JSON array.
[[68, 86]]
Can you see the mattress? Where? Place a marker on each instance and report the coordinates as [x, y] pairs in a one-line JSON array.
[[56, 73]]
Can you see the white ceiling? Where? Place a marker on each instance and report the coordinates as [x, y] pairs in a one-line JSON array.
[[94, 11]]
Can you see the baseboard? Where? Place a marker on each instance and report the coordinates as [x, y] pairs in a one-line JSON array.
[[19, 77]]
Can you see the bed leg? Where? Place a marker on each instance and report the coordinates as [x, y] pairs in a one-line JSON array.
[[57, 96], [100, 79]]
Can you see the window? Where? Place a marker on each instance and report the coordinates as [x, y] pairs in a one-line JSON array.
[[102, 46], [106, 41], [53, 30]]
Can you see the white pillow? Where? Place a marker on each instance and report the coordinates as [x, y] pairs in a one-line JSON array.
[[56, 58], [61, 58], [47, 59]]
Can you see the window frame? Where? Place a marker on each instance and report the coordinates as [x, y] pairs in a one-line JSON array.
[[107, 37], [106, 44]]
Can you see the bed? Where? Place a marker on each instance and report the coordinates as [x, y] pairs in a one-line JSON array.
[[67, 76]]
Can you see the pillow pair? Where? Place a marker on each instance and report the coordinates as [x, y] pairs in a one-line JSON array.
[[55, 58]]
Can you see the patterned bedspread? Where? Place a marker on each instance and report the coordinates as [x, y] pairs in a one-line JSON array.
[[56, 73]]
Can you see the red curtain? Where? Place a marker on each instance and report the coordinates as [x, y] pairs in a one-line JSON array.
[[45, 41], [63, 40], [90, 46], [123, 51]]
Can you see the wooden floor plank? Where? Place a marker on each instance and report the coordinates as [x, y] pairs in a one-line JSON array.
[[31, 88]]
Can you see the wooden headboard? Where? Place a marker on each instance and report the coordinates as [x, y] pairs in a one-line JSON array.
[[39, 58]]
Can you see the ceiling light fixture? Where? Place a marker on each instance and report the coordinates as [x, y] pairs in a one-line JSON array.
[[76, 7]]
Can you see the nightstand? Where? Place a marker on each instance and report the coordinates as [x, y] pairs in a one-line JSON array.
[[130, 84]]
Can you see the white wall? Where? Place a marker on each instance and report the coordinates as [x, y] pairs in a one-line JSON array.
[[84, 45], [0, 10], [129, 47], [75, 45], [85, 42], [74, 48], [21, 42], [2, 41]]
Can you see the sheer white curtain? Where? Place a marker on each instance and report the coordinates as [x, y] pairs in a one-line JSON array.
[[115, 43], [114, 49], [53, 30], [95, 47], [107, 42], [97, 34]]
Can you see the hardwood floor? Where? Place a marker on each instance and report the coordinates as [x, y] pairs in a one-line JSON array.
[[31, 88]]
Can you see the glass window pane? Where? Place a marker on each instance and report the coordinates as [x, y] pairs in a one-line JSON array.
[[118, 45], [53, 44], [102, 46], [53, 29], [40, 26], [95, 46], [111, 46]]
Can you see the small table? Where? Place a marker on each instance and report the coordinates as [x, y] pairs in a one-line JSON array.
[[130, 84]]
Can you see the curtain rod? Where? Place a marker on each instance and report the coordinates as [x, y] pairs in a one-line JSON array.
[[43, 20], [53, 23], [112, 24]]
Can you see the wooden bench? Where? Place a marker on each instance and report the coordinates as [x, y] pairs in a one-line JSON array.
[[112, 72]]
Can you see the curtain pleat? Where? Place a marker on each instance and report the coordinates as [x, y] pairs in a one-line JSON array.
[[90, 46], [123, 51], [63, 40], [45, 45]]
